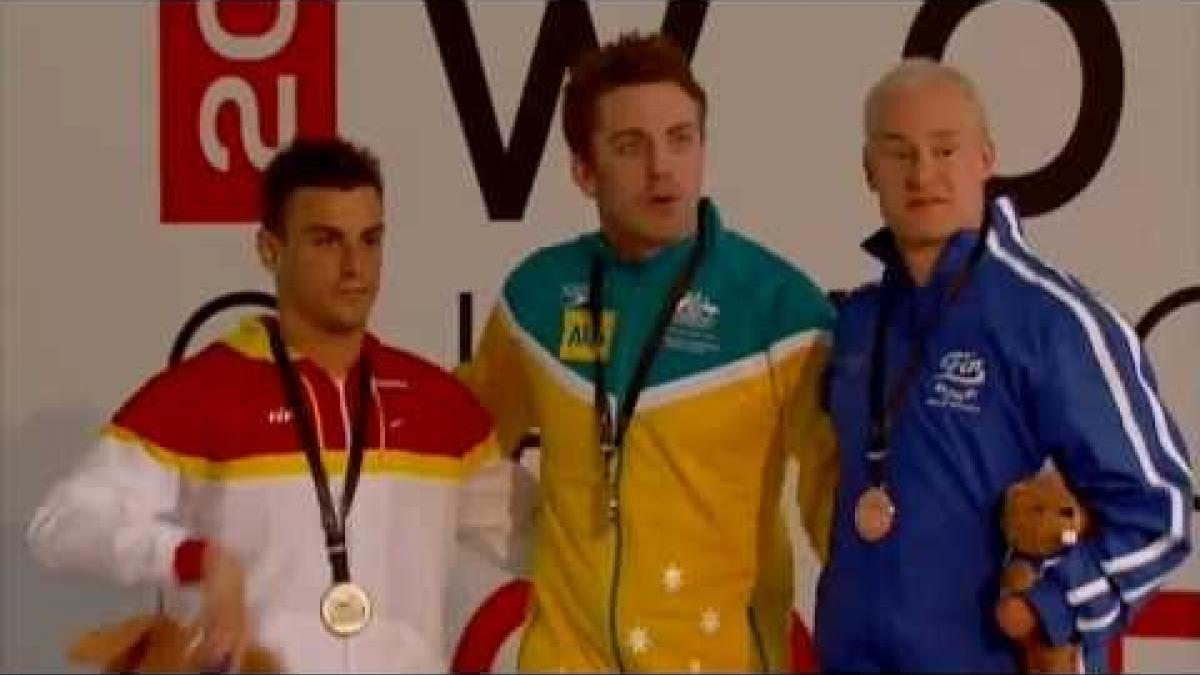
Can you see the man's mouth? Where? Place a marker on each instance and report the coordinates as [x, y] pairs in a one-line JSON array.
[[924, 202]]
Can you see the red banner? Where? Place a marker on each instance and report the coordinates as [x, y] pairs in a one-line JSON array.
[[237, 80]]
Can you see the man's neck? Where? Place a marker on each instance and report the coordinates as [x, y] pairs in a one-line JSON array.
[[631, 248], [335, 353], [921, 257], [920, 260]]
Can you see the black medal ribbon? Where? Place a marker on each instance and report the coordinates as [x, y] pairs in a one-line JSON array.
[[885, 404], [612, 431], [333, 520]]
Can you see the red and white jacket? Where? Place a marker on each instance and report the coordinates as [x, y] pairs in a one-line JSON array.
[[208, 451]]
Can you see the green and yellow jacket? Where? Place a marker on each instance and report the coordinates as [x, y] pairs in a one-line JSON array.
[[694, 572]]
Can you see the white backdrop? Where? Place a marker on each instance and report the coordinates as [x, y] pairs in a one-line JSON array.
[[95, 285]]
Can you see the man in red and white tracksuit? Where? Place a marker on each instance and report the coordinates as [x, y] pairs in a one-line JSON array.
[[204, 486]]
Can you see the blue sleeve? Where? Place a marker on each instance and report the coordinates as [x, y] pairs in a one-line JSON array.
[[1098, 411]]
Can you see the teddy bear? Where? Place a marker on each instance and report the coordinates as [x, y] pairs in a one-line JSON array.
[[1042, 518], [156, 643]]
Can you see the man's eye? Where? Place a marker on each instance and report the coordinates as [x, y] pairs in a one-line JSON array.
[[682, 139]]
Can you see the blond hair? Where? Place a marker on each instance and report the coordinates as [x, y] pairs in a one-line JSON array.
[[915, 72]]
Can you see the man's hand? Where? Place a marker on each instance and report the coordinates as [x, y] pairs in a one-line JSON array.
[[223, 617]]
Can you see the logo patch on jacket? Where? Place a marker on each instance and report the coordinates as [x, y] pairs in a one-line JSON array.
[[696, 310], [578, 339], [960, 377], [575, 295], [693, 327]]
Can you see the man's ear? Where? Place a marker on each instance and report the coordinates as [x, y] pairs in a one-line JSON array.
[[989, 156], [268, 245], [868, 173], [583, 174]]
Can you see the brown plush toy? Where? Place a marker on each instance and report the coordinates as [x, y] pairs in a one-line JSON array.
[[1042, 518], [156, 643]]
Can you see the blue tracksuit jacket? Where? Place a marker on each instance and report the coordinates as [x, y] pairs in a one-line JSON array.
[[1027, 365]]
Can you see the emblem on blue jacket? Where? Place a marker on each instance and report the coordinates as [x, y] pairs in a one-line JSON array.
[[960, 377]]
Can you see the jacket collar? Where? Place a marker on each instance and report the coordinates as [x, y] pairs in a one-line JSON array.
[[957, 249], [668, 256], [250, 339]]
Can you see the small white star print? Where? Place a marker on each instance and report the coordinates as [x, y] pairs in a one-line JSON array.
[[710, 621], [673, 578], [639, 640]]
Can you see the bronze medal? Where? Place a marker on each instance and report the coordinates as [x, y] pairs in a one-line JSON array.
[[874, 514], [345, 609]]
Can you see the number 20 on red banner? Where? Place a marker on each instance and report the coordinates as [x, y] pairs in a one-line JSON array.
[[238, 79]]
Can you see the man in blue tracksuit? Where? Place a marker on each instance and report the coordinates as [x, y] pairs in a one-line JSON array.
[[986, 364]]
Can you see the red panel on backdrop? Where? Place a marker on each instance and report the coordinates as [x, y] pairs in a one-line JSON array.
[[493, 622], [235, 77], [1171, 615]]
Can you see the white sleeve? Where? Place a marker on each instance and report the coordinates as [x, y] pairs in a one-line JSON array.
[[496, 510], [115, 516]]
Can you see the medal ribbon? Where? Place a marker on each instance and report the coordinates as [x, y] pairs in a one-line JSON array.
[[612, 432], [333, 520], [885, 404]]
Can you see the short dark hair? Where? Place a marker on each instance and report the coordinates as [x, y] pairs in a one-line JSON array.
[[319, 163], [632, 59]]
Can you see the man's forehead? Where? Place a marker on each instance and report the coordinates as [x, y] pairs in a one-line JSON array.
[[932, 104], [934, 134], [334, 208], [334, 199], [310, 193], [314, 223], [935, 120], [652, 105]]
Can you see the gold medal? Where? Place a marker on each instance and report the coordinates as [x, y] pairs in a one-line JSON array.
[[874, 514], [345, 609]]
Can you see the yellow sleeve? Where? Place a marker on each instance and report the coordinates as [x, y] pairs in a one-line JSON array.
[[809, 438], [496, 375]]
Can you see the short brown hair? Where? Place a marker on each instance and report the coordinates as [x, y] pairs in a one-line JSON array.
[[632, 59], [314, 163]]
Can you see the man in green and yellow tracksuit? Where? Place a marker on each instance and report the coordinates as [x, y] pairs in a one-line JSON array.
[[660, 542]]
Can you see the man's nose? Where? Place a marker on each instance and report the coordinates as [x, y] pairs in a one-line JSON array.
[[353, 260], [658, 161], [920, 170]]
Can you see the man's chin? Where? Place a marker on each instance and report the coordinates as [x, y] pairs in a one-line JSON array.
[[664, 231], [926, 233], [345, 324]]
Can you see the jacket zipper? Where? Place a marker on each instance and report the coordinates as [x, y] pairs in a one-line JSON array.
[[756, 633], [614, 586], [341, 389]]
